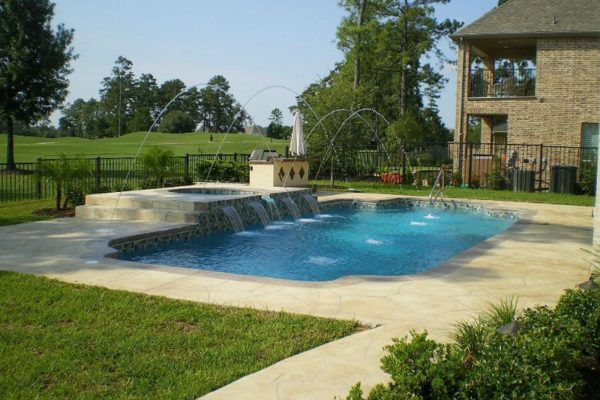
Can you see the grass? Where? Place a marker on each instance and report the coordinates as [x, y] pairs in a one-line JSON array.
[[60, 341], [28, 148], [23, 211], [463, 193]]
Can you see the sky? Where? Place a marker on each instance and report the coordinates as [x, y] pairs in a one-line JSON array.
[[254, 44]]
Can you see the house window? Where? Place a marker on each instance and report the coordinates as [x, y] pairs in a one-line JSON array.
[[589, 135]]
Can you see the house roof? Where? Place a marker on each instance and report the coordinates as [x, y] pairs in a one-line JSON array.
[[536, 18]]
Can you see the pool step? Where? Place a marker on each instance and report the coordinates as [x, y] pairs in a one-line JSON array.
[[137, 214]]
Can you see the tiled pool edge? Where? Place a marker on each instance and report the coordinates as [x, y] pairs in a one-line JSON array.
[[408, 203]]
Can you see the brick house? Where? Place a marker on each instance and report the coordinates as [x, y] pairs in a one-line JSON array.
[[529, 71]]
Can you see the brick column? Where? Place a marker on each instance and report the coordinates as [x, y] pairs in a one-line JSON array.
[[488, 76], [487, 124]]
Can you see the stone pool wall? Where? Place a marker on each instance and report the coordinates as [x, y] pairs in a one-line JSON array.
[[214, 220]]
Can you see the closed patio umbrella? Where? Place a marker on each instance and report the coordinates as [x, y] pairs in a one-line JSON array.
[[297, 147]]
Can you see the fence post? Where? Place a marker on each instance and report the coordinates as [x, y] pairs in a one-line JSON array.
[[287, 151], [470, 156], [186, 165], [235, 156], [460, 156], [98, 173], [541, 167], [38, 183], [403, 166]]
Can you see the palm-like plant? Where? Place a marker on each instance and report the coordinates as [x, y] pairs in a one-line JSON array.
[[472, 336], [157, 164], [64, 172]]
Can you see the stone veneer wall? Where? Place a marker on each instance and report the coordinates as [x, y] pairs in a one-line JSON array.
[[214, 221], [567, 94]]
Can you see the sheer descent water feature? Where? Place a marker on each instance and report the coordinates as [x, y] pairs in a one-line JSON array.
[[273, 209], [312, 203], [234, 218], [292, 207], [261, 211]]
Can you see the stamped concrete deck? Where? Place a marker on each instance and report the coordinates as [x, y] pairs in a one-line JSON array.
[[534, 260]]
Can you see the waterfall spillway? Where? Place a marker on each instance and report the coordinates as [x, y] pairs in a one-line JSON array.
[[260, 210], [234, 218], [273, 209], [312, 203], [292, 207]]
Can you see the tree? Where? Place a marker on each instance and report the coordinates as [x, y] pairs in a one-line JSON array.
[[83, 119], [188, 101], [276, 117], [72, 122], [177, 121], [34, 64], [275, 128], [146, 103], [118, 95], [387, 46], [64, 172], [218, 108]]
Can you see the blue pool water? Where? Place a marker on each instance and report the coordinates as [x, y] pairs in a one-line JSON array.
[[339, 243]]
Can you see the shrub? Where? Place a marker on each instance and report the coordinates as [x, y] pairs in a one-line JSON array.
[[177, 122], [587, 178], [538, 362], [496, 180], [223, 171], [555, 354], [75, 193], [456, 180]]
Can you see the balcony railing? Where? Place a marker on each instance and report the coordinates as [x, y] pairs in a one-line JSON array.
[[506, 83]]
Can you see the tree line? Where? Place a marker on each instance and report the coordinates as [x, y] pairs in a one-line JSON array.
[[129, 104]]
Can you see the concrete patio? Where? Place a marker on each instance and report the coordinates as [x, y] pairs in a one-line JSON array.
[[535, 260]]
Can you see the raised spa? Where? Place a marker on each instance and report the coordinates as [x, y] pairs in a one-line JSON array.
[[342, 242]]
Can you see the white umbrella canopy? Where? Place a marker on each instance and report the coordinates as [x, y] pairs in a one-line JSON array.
[[297, 147]]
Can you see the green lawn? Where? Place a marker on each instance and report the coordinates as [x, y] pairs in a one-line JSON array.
[[23, 211], [28, 149], [463, 193], [62, 341]]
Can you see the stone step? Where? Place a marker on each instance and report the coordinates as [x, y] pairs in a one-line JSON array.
[[145, 202], [136, 214]]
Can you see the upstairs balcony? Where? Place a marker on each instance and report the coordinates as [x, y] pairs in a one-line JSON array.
[[502, 68], [502, 82]]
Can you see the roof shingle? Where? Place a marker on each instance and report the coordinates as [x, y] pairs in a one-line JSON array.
[[525, 18]]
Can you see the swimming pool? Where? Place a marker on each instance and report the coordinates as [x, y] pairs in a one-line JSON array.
[[343, 242]]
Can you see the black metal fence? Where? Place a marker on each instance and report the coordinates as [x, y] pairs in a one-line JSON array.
[[526, 167], [522, 167], [107, 174]]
